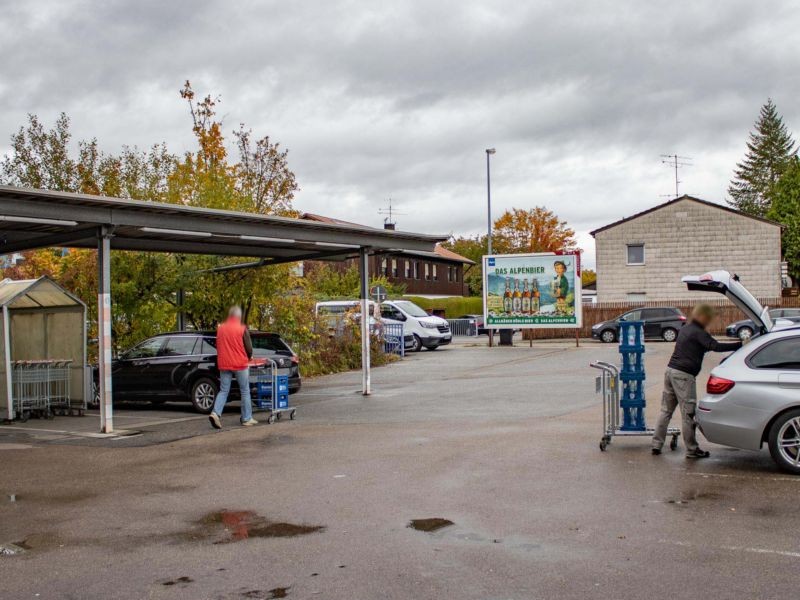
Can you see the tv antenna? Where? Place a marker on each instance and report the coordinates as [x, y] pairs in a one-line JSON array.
[[389, 221], [675, 161]]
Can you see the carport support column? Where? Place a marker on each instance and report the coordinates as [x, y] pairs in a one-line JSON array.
[[104, 328], [363, 273]]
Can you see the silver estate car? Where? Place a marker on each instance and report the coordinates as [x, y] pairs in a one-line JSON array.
[[753, 396]]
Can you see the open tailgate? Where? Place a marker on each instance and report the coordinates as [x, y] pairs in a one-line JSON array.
[[722, 282]]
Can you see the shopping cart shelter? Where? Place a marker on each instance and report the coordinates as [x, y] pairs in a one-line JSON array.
[[31, 218], [43, 349]]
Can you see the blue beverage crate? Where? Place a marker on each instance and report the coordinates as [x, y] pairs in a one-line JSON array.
[[264, 393], [631, 336]]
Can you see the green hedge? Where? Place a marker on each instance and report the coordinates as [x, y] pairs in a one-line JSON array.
[[452, 307]]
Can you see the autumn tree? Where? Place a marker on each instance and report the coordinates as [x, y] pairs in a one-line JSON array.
[[534, 230], [769, 150]]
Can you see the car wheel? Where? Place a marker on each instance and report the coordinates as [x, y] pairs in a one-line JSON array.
[[669, 334], [784, 441], [204, 392], [744, 333], [608, 336], [417, 345]]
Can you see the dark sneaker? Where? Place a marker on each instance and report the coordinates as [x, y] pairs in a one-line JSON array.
[[699, 453], [215, 421], [656, 451]]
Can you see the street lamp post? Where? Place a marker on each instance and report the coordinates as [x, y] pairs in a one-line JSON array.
[[489, 152]]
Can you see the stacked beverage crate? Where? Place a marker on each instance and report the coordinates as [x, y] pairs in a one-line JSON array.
[[631, 375]]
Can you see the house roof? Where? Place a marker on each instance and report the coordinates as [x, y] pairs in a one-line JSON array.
[[681, 199], [438, 251]]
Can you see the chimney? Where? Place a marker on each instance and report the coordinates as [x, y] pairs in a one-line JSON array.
[[387, 225]]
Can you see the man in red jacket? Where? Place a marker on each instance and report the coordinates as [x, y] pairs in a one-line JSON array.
[[234, 351]]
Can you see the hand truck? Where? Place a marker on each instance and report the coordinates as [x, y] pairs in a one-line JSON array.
[[607, 384], [272, 393]]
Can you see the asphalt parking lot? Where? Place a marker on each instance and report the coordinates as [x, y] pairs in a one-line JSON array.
[[502, 442]]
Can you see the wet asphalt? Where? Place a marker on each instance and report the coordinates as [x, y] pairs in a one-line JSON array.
[[501, 442]]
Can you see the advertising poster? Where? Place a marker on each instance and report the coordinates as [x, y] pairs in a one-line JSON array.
[[532, 290]]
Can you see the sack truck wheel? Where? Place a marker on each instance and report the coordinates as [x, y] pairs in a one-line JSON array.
[[669, 334], [204, 392], [291, 415], [673, 443], [784, 441]]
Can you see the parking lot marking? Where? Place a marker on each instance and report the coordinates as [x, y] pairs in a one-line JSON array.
[[788, 553]]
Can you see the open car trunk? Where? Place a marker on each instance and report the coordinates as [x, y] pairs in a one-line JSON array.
[[728, 285]]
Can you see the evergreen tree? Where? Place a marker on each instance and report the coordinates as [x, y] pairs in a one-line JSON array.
[[769, 151], [785, 209]]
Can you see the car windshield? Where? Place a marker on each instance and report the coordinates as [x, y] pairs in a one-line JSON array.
[[411, 309]]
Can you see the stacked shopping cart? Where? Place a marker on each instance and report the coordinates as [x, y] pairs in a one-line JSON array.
[[41, 389]]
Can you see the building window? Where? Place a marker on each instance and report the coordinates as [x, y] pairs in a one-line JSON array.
[[394, 268], [427, 272], [384, 266], [635, 254], [416, 269], [450, 273], [435, 273], [637, 297], [408, 269], [455, 274]]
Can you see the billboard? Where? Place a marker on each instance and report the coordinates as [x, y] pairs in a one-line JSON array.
[[532, 290]]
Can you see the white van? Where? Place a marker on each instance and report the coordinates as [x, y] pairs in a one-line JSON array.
[[428, 331], [420, 330]]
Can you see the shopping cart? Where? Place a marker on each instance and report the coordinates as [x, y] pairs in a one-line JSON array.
[[272, 392], [607, 384], [58, 377], [31, 389]]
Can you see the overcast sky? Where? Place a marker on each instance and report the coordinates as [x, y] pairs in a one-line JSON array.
[[379, 100]]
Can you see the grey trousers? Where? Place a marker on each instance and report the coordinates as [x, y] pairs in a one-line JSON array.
[[679, 390]]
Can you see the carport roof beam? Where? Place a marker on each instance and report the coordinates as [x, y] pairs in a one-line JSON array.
[[45, 218]]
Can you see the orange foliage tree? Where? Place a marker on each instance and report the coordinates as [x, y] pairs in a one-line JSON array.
[[534, 230]]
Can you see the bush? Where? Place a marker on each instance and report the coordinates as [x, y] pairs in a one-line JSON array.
[[453, 307]]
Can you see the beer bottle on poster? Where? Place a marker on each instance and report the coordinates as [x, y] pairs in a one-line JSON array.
[[507, 302], [526, 297], [534, 296], [517, 297]]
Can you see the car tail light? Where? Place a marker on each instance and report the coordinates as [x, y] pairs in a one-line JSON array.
[[719, 385], [682, 317], [295, 359]]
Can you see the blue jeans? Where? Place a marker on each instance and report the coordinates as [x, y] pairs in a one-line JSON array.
[[243, 379]]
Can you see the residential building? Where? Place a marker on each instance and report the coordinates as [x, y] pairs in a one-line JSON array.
[[643, 257], [433, 274]]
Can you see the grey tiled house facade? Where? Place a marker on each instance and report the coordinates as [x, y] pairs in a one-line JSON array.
[[643, 257]]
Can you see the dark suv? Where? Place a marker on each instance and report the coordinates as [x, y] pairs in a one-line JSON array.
[[183, 366], [661, 323]]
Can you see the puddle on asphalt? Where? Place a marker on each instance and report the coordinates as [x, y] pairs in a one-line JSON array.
[[177, 581], [278, 592], [226, 526], [429, 525]]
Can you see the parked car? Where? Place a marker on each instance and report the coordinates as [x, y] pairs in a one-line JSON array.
[[429, 332], [746, 328], [183, 366], [753, 396], [661, 323]]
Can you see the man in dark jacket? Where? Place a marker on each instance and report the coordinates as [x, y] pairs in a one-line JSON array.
[[679, 380]]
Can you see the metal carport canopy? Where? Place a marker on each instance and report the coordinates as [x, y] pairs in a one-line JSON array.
[[31, 218]]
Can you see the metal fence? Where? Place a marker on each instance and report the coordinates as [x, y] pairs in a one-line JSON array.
[[393, 342], [464, 327]]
